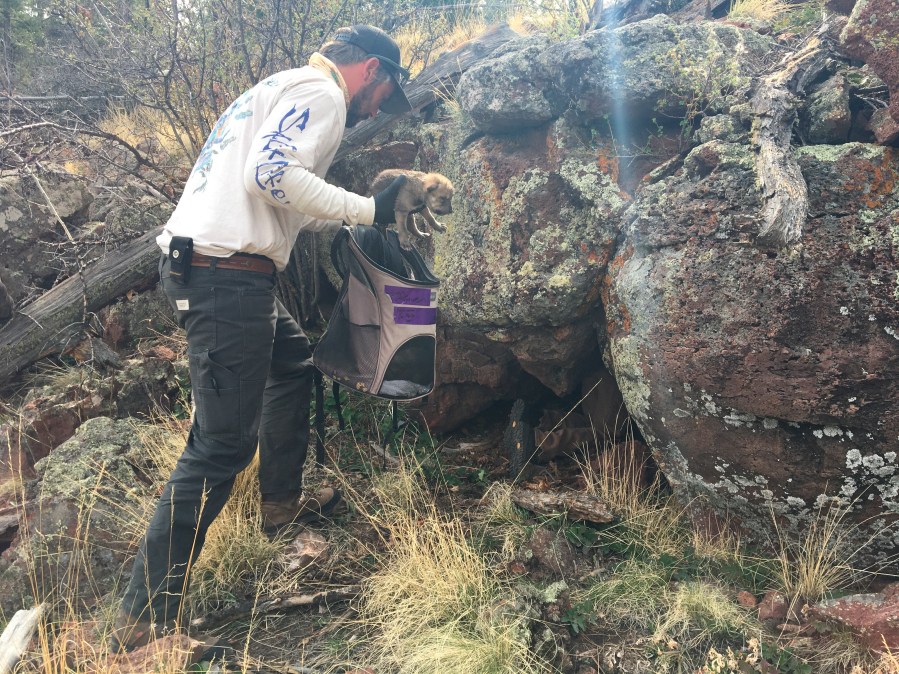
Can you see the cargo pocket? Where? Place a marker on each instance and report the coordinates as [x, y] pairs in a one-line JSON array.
[[217, 396]]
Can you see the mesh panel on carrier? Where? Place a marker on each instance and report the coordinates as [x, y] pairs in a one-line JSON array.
[[382, 335]]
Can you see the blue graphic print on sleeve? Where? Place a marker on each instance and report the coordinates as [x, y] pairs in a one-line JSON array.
[[270, 169]]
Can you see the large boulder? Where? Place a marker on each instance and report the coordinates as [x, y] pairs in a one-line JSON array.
[[872, 36], [83, 518], [533, 227], [655, 68], [765, 381], [52, 412], [29, 225]]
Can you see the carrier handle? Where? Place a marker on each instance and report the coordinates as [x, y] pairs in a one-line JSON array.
[[339, 240]]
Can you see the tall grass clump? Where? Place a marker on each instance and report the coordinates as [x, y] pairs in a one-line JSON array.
[[649, 522], [816, 561], [435, 606]]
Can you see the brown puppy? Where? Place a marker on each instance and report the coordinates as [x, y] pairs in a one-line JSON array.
[[422, 193]]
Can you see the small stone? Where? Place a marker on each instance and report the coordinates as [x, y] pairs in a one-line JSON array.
[[746, 599], [773, 606], [553, 551]]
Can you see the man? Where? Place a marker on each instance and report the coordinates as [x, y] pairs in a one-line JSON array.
[[257, 182]]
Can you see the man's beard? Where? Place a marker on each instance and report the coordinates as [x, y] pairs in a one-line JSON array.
[[353, 113]]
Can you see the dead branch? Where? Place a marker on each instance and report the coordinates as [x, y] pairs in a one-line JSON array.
[[256, 608], [573, 504], [774, 113], [16, 636]]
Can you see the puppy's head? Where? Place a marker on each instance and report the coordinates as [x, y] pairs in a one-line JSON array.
[[438, 193]]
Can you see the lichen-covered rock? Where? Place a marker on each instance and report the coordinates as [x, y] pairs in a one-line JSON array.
[[28, 225], [766, 380], [872, 36], [128, 211], [53, 412], [727, 128], [884, 127], [657, 67], [533, 226], [651, 68], [512, 89], [82, 519], [139, 316], [827, 117]]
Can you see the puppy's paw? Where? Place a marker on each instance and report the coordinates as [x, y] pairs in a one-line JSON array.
[[405, 241], [438, 226]]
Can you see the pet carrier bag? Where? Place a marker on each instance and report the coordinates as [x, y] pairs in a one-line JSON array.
[[381, 338]]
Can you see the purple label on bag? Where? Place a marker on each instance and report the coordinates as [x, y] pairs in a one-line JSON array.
[[413, 316], [417, 297]]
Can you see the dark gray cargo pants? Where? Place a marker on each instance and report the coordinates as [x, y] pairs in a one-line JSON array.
[[251, 376]]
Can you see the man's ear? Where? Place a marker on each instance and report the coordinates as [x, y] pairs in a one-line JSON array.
[[369, 68]]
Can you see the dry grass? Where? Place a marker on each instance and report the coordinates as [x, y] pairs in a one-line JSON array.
[[146, 128], [435, 605], [633, 595], [236, 549], [818, 560], [697, 612], [647, 519], [759, 10], [501, 520]]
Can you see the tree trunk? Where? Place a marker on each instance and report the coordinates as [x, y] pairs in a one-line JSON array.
[[53, 321]]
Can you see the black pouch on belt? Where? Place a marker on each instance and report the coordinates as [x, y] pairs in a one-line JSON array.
[[181, 251]]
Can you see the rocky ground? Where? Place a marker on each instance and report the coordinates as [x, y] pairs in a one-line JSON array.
[[590, 596]]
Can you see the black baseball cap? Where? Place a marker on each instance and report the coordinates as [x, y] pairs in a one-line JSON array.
[[375, 42]]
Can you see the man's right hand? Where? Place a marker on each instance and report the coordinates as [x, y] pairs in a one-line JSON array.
[[385, 201]]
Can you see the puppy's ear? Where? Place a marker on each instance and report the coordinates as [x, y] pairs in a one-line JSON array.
[[431, 183]]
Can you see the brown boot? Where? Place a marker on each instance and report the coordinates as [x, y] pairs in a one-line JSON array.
[[277, 515], [129, 633]]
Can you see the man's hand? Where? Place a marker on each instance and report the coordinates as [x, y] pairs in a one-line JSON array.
[[385, 200]]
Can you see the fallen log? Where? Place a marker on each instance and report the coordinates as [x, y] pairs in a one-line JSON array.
[[573, 504], [54, 321], [774, 106], [16, 637]]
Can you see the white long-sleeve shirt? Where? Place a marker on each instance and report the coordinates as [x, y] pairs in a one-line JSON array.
[[259, 178]]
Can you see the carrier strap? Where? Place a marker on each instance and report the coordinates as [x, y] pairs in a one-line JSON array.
[[335, 391], [319, 418], [339, 240]]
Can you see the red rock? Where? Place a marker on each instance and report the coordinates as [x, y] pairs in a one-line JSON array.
[[870, 36], [773, 606], [884, 127], [872, 618], [746, 599], [164, 352]]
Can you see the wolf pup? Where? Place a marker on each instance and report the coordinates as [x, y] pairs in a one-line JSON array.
[[422, 193]]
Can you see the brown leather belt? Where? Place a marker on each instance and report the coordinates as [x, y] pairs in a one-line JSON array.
[[237, 261]]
